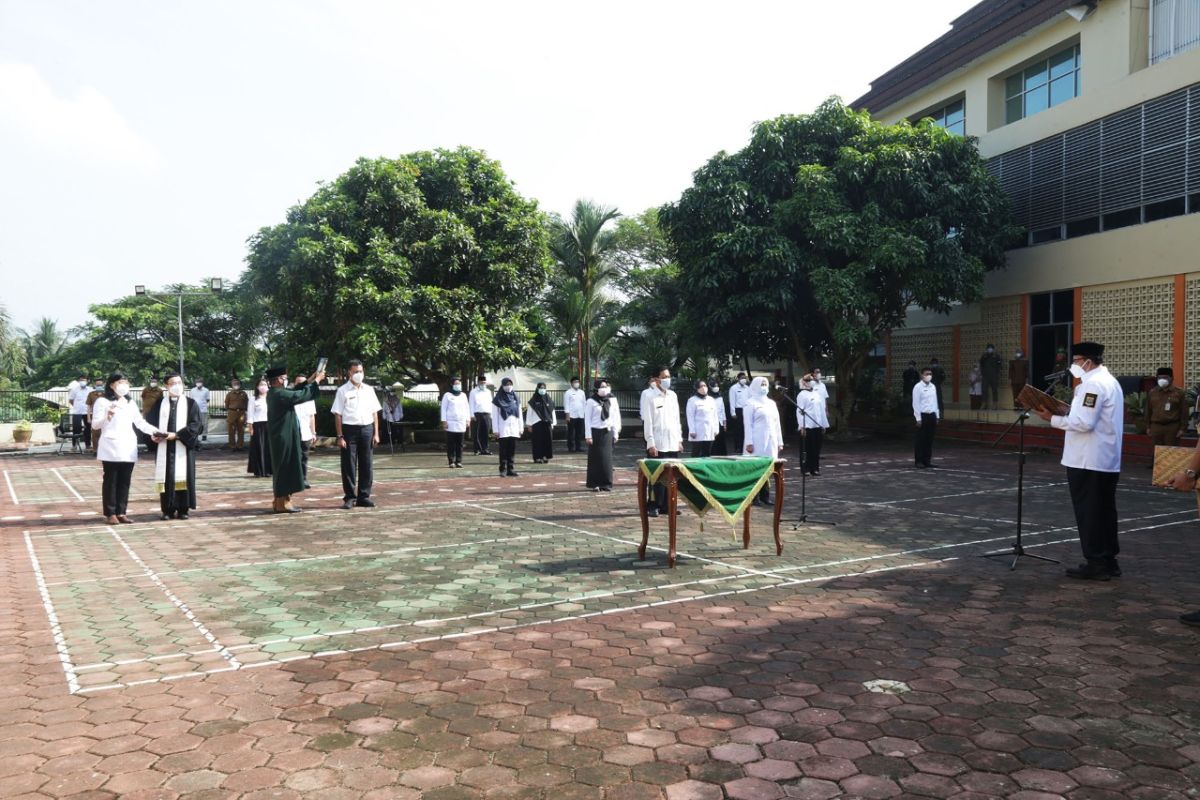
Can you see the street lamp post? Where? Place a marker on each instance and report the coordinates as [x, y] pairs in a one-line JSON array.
[[215, 286]]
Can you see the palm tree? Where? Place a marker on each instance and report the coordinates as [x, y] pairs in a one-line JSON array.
[[12, 356], [46, 341], [583, 248]]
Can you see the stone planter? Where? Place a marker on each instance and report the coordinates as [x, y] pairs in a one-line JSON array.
[[22, 435]]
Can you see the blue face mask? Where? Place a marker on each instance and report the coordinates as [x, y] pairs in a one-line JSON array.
[[456, 388], [541, 391]]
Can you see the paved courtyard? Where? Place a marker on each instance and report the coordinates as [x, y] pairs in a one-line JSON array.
[[481, 637]]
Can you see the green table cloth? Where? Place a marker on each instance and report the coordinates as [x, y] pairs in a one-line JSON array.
[[726, 483]]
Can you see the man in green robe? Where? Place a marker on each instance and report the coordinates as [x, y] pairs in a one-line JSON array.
[[283, 431]]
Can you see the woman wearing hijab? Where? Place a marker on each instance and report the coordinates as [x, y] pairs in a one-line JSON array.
[[602, 428], [116, 416], [506, 423], [718, 445], [540, 419], [702, 420], [456, 421], [260, 444], [764, 436]]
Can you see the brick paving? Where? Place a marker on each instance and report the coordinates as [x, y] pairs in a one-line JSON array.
[[479, 637]]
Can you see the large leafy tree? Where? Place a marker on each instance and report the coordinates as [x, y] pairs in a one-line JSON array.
[[818, 236], [12, 354], [44, 341], [427, 265]]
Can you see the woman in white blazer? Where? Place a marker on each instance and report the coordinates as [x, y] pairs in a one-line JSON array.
[[116, 416], [456, 420]]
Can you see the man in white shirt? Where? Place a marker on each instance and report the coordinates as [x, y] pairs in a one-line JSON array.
[[820, 389], [1092, 455], [306, 418], [925, 410], [356, 417], [738, 393], [481, 408], [200, 394], [575, 406], [77, 393], [661, 427], [812, 419]]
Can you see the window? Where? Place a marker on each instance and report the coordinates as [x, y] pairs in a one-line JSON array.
[[1174, 28], [952, 117], [1042, 85]]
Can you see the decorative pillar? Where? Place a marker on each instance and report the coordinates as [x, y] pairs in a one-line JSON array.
[[1077, 328], [1178, 339]]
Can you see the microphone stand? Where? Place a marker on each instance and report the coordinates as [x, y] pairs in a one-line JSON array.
[[1018, 550], [803, 520]]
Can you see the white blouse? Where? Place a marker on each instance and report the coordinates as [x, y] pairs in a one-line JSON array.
[[257, 410], [456, 412], [762, 428], [702, 418], [512, 427], [118, 442], [532, 418], [594, 422]]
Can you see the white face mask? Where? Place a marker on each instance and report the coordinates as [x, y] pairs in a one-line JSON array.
[[574, 384], [541, 391], [603, 391], [356, 378], [743, 382], [509, 389], [153, 384], [926, 378], [1077, 371], [199, 384], [262, 388], [665, 383], [175, 389], [121, 389], [1163, 383], [763, 390], [816, 376], [236, 386]]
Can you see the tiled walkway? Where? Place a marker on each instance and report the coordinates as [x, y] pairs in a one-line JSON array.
[[476, 637]]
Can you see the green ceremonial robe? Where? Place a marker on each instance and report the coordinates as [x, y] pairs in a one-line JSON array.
[[283, 431]]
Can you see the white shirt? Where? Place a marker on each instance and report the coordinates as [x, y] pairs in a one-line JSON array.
[[256, 409], [661, 424], [924, 399], [456, 412], [77, 396], [510, 427], [814, 406], [305, 413], [720, 401], [575, 403], [532, 418], [356, 405], [481, 400], [200, 395], [761, 418], [1095, 424], [393, 414], [823, 391], [594, 422], [738, 395], [118, 442], [702, 419]]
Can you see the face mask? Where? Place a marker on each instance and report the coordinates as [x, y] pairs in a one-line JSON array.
[[262, 388], [763, 390], [1020, 354], [1077, 371], [574, 384], [541, 391], [199, 384], [175, 389], [665, 383], [508, 389], [237, 386], [989, 351], [603, 391], [99, 387], [743, 382], [1162, 383], [816, 376], [356, 378], [121, 389], [716, 390], [456, 388], [926, 378], [153, 384]]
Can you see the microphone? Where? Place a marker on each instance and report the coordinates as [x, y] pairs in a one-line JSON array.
[[1056, 376]]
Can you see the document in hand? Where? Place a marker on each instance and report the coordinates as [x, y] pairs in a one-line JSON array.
[[1037, 400]]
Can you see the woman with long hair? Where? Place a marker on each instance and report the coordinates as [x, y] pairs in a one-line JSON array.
[[115, 416], [260, 445]]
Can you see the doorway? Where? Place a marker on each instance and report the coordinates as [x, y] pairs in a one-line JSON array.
[[1051, 329]]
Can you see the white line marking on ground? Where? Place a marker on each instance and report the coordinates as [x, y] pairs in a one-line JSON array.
[[182, 606], [78, 496], [60, 642], [11, 491]]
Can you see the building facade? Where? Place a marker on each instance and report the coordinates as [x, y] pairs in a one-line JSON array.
[[1089, 116]]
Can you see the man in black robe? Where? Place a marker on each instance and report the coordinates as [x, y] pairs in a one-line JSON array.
[[283, 430], [176, 452]]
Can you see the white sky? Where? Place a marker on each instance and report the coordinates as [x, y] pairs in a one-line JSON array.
[[143, 142]]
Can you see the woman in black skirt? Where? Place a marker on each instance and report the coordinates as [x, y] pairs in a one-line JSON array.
[[602, 429], [260, 445], [540, 419], [718, 443]]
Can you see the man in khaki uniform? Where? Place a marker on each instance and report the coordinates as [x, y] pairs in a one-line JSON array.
[[1166, 410], [236, 402], [151, 394], [97, 391]]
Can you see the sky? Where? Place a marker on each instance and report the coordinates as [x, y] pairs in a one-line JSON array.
[[144, 142]]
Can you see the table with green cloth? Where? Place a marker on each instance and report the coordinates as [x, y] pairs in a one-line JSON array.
[[728, 484]]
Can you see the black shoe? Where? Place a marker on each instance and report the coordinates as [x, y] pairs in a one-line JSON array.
[[450, 465], [816, 473], [486, 453], [1192, 618], [164, 516], [652, 511], [595, 488], [606, 488], [458, 465], [1114, 568], [919, 465], [307, 485], [349, 504], [365, 502], [512, 473], [1089, 572], [182, 516], [929, 465]]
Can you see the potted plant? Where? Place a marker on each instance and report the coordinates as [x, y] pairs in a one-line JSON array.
[[22, 431], [1135, 410]]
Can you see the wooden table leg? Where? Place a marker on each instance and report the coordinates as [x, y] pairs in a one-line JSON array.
[[746, 526], [672, 506], [778, 507], [641, 490]]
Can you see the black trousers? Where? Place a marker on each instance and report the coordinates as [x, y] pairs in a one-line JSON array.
[[702, 449], [77, 426], [576, 435], [117, 476], [483, 428], [454, 446], [1094, 496], [810, 449], [991, 390], [508, 452], [923, 442], [659, 491], [357, 469], [737, 433], [304, 448]]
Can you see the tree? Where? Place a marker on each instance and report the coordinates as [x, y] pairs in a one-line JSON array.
[[818, 236], [583, 248], [427, 265], [46, 341], [12, 355]]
